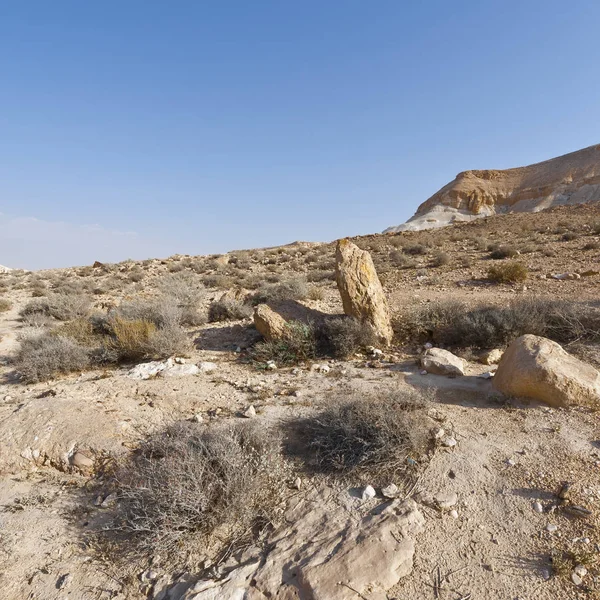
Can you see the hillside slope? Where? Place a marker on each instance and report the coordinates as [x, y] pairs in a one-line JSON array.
[[570, 179]]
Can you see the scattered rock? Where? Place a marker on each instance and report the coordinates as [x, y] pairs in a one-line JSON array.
[[564, 276], [148, 370], [449, 442], [445, 500], [492, 357], [109, 501], [297, 483], [454, 514], [551, 528], [206, 367], [179, 370], [250, 412], [442, 362], [538, 368], [81, 461], [537, 507], [368, 493], [580, 570], [271, 365], [391, 491], [63, 581], [361, 291], [576, 579], [268, 323]]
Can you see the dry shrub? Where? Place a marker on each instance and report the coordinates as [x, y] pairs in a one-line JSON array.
[[290, 289], [170, 340], [321, 275], [377, 439], [132, 338], [43, 357], [343, 336], [299, 344], [401, 260], [228, 310], [415, 249], [63, 307], [316, 293], [5, 305], [440, 259], [510, 272], [458, 325], [220, 282], [499, 252], [189, 487]]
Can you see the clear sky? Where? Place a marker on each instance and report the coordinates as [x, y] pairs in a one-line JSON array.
[[147, 128]]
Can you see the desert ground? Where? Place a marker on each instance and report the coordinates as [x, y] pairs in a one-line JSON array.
[[497, 496]]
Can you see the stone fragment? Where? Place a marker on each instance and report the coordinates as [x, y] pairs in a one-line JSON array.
[[391, 491], [268, 323], [206, 367], [250, 412], [491, 357], [442, 362], [368, 493], [538, 368], [361, 291]]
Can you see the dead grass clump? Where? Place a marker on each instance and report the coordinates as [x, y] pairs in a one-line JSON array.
[[510, 272], [377, 439], [343, 336], [298, 345], [316, 293], [415, 249], [131, 339], [5, 305], [591, 246], [190, 487], [228, 310], [440, 259], [401, 261], [320, 275], [43, 357]]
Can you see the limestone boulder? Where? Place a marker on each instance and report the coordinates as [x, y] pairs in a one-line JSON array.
[[268, 323], [538, 368], [491, 357], [360, 289], [441, 362]]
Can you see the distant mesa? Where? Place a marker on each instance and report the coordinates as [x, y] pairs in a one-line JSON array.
[[570, 179]]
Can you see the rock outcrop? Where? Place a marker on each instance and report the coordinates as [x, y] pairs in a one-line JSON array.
[[326, 554], [442, 362], [268, 323], [5, 269], [570, 179], [360, 289], [537, 368]]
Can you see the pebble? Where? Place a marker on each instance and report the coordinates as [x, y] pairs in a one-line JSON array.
[[295, 371], [206, 367], [368, 493], [449, 442], [271, 365], [81, 461], [537, 507], [109, 501], [551, 527], [297, 483], [63, 581], [510, 462], [580, 570], [423, 372], [390, 491], [198, 418], [439, 434], [454, 514], [179, 360], [576, 579], [250, 412], [446, 500]]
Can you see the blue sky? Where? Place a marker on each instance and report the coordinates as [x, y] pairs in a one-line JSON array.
[[146, 128]]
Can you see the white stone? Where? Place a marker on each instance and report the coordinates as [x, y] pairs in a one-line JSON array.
[[148, 370], [576, 579], [454, 514], [368, 493], [580, 570], [442, 362], [271, 365], [449, 442], [537, 507], [207, 367], [391, 491], [445, 500], [179, 370], [551, 528], [250, 412]]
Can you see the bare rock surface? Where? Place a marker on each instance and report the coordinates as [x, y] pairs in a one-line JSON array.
[[538, 368], [268, 323], [329, 553], [441, 362], [362, 294], [570, 179]]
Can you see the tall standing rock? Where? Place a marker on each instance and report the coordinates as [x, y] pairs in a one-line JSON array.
[[360, 288]]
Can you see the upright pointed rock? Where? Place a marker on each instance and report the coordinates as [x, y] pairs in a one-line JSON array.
[[360, 288]]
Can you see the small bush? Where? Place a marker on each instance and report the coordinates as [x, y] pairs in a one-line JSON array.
[[228, 310], [499, 252], [440, 259], [132, 338], [343, 336], [415, 249], [592, 246], [298, 345], [170, 340], [320, 275], [510, 272], [316, 293], [5, 305], [190, 487], [291, 289], [222, 282], [62, 307], [377, 439], [569, 236], [43, 357]]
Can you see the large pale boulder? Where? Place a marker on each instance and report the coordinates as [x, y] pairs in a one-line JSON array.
[[360, 288], [442, 362], [538, 368], [268, 323]]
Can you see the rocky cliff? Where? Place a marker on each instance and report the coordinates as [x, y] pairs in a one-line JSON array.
[[570, 179]]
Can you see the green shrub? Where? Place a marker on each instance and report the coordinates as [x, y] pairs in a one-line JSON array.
[[510, 272], [299, 344]]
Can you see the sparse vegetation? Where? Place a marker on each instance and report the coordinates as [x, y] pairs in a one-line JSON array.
[[509, 272], [440, 259], [186, 482], [228, 309], [62, 307], [343, 336], [290, 289], [500, 252], [5, 305], [298, 345]]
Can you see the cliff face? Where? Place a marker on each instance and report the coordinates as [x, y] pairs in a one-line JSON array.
[[570, 179]]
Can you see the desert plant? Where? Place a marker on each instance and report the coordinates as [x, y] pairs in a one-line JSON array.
[[290, 289], [415, 249], [62, 307], [228, 309], [592, 246], [440, 259], [42, 357], [190, 486], [569, 236], [298, 344], [382, 439], [5, 305], [510, 272], [131, 338], [499, 252], [343, 336], [316, 293]]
